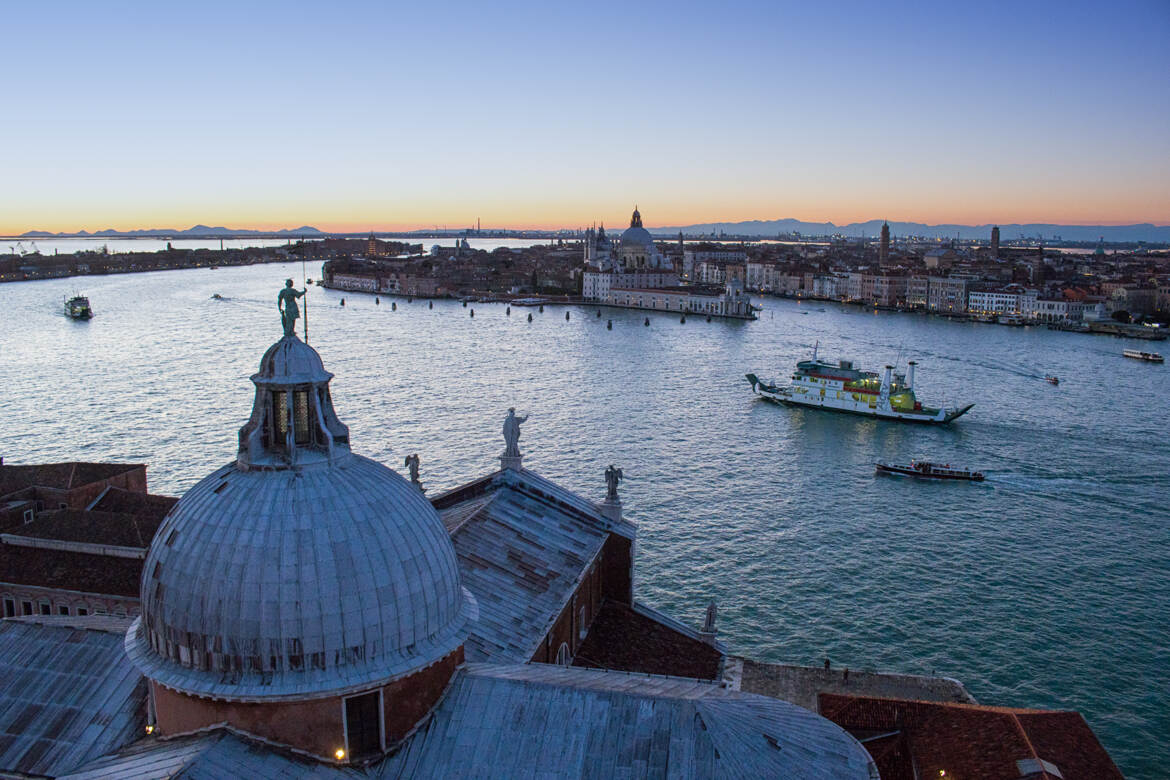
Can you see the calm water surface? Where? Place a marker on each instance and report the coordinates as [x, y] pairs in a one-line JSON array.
[[1046, 586]]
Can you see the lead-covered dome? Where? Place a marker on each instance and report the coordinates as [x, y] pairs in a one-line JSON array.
[[300, 570], [636, 235]]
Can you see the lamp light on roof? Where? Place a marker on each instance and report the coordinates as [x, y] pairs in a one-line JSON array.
[[339, 754]]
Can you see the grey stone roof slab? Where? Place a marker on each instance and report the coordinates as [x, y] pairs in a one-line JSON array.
[[67, 696], [522, 557], [539, 721], [211, 756]]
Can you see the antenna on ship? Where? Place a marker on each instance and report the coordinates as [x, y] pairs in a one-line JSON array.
[[815, 346]]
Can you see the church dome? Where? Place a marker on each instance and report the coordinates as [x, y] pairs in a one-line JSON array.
[[636, 236], [300, 570]]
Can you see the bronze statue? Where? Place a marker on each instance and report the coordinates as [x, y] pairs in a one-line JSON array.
[[286, 302]]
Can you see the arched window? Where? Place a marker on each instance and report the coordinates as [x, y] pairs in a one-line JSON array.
[[563, 658]]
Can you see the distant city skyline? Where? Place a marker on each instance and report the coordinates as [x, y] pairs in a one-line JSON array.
[[534, 115]]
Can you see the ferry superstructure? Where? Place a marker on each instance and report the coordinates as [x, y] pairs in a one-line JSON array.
[[841, 387]]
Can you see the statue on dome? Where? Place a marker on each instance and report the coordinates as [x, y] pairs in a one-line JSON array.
[[286, 302], [512, 433], [613, 477]]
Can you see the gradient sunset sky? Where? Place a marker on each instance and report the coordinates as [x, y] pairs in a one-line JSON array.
[[351, 116]]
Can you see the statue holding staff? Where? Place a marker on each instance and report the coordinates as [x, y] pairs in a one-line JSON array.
[[286, 303]]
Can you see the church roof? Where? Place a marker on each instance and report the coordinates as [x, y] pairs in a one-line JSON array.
[[537, 720], [523, 545], [59, 476], [208, 756], [68, 696]]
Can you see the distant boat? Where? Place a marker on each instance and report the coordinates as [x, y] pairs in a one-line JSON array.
[[216, 297], [1149, 357], [78, 308], [1052, 380], [927, 470], [530, 301]]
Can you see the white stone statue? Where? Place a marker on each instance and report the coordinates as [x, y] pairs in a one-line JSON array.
[[411, 463], [512, 433], [613, 476]]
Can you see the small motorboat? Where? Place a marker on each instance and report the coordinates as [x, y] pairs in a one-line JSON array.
[[1052, 380], [927, 470], [216, 297]]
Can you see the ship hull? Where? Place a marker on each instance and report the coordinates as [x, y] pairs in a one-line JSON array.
[[786, 397], [883, 468]]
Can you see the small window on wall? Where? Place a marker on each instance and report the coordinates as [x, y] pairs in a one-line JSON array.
[[363, 724], [26, 607], [582, 625], [29, 516], [9, 608], [563, 657], [62, 609], [82, 611], [46, 608]]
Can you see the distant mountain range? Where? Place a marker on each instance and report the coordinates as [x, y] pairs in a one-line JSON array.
[[1111, 233], [199, 231]]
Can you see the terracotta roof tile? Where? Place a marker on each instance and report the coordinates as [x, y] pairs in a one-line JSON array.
[[623, 639], [967, 740], [73, 525], [62, 476]]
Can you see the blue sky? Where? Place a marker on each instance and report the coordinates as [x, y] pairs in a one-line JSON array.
[[355, 115]]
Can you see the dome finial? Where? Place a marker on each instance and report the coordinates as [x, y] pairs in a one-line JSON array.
[[636, 219]]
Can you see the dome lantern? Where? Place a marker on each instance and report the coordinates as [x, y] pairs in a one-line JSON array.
[[292, 422]]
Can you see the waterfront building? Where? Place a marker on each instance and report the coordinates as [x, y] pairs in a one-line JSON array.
[[1012, 299], [636, 274], [947, 294], [1057, 310]]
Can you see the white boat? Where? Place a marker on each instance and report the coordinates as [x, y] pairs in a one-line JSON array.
[[1137, 354], [841, 387]]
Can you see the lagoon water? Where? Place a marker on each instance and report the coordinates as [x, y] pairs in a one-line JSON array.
[[1047, 586]]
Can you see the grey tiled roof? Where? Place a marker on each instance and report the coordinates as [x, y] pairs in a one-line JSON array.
[[539, 721], [522, 557], [215, 755], [264, 584], [67, 695]]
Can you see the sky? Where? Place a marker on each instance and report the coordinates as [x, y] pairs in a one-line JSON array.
[[355, 116]]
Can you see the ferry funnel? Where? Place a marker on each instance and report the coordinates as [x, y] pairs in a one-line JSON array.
[[910, 374]]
